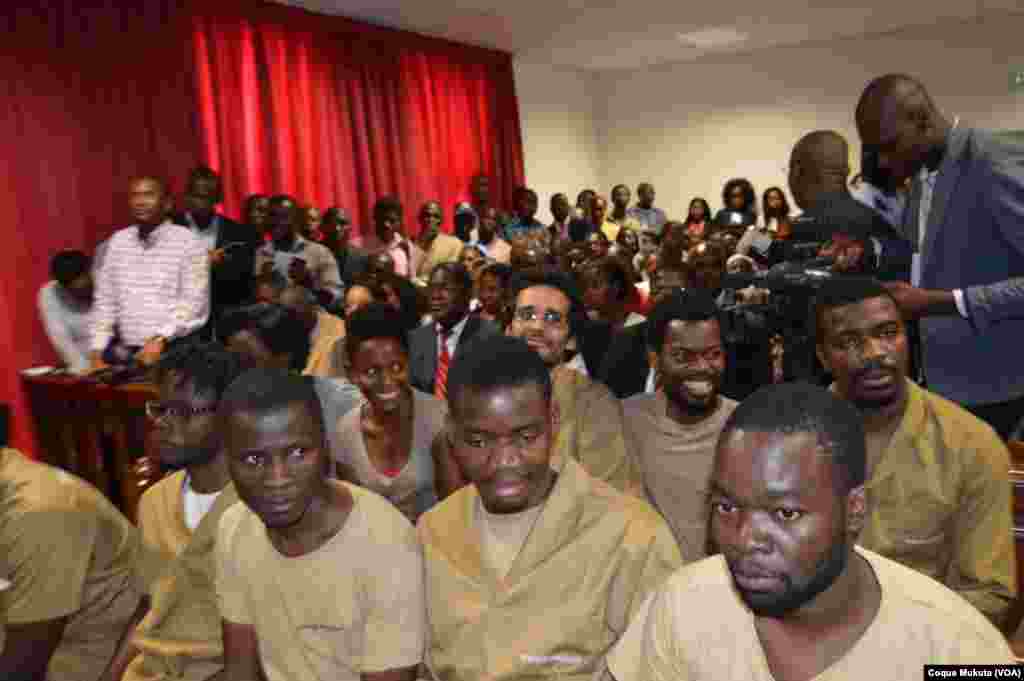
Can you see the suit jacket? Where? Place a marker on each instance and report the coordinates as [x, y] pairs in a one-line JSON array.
[[974, 241], [423, 349], [231, 281]]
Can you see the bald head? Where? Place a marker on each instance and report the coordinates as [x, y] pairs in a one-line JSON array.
[[819, 164], [898, 119]]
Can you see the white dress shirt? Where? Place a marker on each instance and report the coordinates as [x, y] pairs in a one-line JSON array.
[[68, 325], [209, 235], [453, 336], [156, 287]]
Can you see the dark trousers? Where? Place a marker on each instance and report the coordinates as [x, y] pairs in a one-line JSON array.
[[1004, 417]]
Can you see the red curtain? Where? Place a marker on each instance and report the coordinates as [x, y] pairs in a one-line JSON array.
[[337, 112], [93, 93]]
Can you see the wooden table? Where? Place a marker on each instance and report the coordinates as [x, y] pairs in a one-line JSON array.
[[96, 431]]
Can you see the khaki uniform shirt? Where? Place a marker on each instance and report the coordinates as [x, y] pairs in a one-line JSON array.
[[444, 248], [329, 330], [590, 560], [67, 553], [591, 430], [675, 462], [940, 502], [352, 606], [161, 522], [696, 628], [180, 637]]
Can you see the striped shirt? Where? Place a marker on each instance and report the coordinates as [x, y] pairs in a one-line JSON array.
[[157, 287]]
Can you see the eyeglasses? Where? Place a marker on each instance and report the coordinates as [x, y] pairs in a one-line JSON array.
[[161, 412], [530, 314]]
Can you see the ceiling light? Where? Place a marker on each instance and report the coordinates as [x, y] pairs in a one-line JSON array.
[[709, 38]]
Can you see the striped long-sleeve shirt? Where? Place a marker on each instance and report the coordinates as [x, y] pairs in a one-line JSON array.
[[156, 287]]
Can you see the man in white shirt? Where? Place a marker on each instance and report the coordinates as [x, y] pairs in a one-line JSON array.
[[154, 285], [65, 308]]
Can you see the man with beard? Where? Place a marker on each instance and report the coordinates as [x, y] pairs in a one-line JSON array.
[[967, 197], [432, 347], [673, 432], [179, 635], [154, 282], [937, 476], [305, 263], [791, 597], [533, 569], [316, 578], [437, 246]]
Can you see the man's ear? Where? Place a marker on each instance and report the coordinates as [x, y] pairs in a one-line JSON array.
[[856, 510]]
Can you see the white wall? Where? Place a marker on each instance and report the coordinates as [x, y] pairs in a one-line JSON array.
[[561, 148], [690, 127]]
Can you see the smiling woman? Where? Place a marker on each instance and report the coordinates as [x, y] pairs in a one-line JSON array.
[[384, 445]]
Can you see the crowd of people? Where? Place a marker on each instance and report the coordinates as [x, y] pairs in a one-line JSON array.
[[592, 448]]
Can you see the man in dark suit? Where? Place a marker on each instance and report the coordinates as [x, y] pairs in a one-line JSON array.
[[450, 289], [965, 220], [231, 245]]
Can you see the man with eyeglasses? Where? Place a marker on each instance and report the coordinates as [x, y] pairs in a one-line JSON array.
[[548, 313], [673, 430], [178, 633], [535, 568]]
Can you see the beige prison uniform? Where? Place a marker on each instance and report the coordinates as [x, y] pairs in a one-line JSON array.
[[591, 429], [696, 628], [180, 637], [161, 523], [329, 331], [585, 568], [67, 553], [444, 248], [412, 491], [940, 502], [675, 462], [354, 605]]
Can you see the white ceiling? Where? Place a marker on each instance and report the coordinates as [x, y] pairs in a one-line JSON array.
[[615, 34]]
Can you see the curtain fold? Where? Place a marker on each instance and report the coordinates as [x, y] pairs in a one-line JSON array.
[[337, 112]]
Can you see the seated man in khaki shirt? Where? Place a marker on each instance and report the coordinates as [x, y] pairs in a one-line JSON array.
[[673, 431], [67, 574], [535, 568], [938, 477], [179, 636], [791, 597], [317, 579]]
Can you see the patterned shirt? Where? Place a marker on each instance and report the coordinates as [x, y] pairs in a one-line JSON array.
[[159, 286], [651, 218]]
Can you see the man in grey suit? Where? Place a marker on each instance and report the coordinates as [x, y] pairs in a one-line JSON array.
[[450, 289], [965, 217]]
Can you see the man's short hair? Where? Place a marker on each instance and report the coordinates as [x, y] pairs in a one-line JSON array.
[[842, 291], [689, 305], [376, 320], [161, 181], [386, 204], [279, 328], [66, 266], [208, 367], [205, 174], [264, 389], [496, 362], [278, 199], [556, 279], [617, 188], [457, 271], [792, 408]]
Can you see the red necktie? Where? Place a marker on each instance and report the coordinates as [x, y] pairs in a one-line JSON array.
[[441, 375]]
